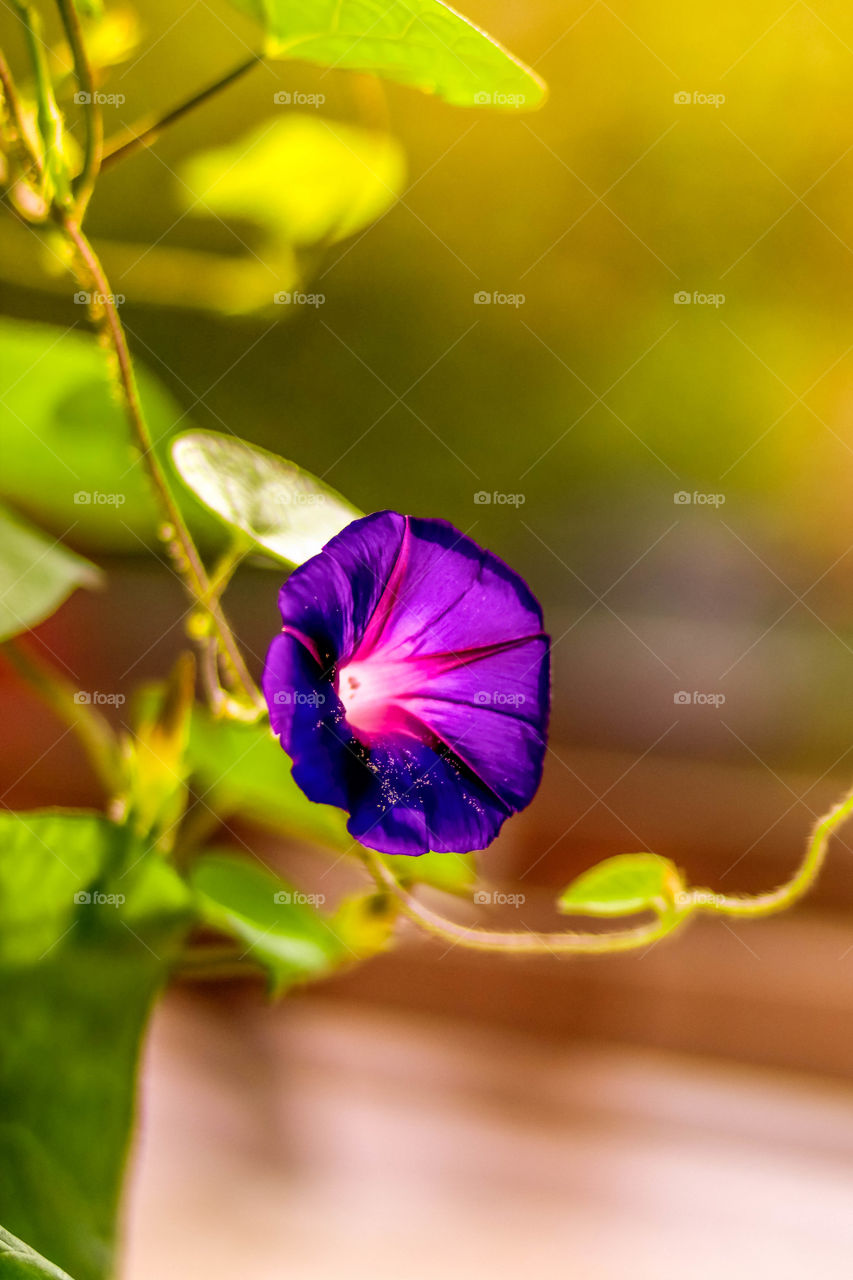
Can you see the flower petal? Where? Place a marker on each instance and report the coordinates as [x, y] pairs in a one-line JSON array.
[[333, 596], [450, 596], [419, 800]]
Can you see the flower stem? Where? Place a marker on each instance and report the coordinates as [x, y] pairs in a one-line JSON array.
[[175, 533], [753, 906], [12, 102], [84, 183], [693, 902], [563, 942]]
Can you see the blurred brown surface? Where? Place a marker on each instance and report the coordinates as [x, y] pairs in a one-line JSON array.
[[323, 1141]]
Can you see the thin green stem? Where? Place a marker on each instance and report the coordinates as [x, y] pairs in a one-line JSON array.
[[753, 906], [16, 114], [175, 533], [143, 136], [690, 903], [93, 730], [49, 118], [84, 183], [563, 942]]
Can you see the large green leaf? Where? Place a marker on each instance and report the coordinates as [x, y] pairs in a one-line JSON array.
[[422, 43], [46, 858], [67, 452], [303, 179], [279, 926], [620, 886], [280, 508], [79, 969], [37, 574], [19, 1262]]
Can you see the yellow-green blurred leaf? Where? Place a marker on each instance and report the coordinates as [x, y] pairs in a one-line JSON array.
[[304, 179], [421, 43]]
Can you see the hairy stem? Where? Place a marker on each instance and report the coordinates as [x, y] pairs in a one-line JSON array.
[[84, 184], [16, 115], [175, 534], [753, 906], [565, 942]]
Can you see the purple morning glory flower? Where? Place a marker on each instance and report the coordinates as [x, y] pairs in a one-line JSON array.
[[410, 685]]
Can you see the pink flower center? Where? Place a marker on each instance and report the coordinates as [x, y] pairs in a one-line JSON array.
[[371, 690]]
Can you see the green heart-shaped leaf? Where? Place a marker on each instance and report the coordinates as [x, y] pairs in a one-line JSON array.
[[623, 885], [282, 509], [421, 43]]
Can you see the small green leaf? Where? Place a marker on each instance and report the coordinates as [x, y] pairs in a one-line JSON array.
[[280, 926], [303, 179], [623, 885], [36, 575], [19, 1262], [284, 510], [421, 43]]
